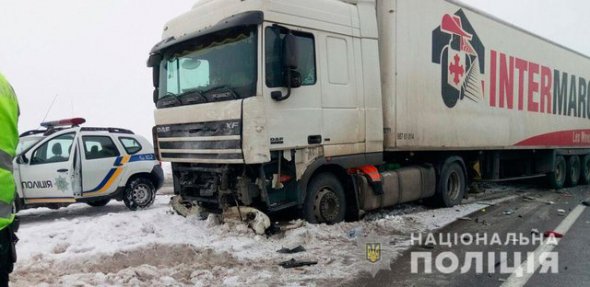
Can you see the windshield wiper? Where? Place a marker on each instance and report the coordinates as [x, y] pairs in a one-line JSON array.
[[192, 96], [221, 93], [169, 100]]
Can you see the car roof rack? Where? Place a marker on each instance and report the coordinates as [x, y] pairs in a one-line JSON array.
[[110, 130], [60, 125]]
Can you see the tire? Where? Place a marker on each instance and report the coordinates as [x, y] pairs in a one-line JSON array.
[[325, 201], [99, 203], [585, 170], [557, 177], [573, 170], [140, 193], [451, 184]]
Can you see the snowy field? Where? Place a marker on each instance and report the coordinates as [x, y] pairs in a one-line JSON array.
[[111, 246]]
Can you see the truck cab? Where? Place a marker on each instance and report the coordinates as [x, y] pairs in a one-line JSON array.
[[64, 163], [256, 98]]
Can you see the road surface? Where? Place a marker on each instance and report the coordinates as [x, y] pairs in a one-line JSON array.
[[528, 212]]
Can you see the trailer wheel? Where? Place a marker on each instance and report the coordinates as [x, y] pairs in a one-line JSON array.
[[99, 203], [573, 170], [585, 170], [557, 177], [450, 187], [325, 201], [139, 193]]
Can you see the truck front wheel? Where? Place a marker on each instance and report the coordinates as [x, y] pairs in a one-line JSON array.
[[325, 201], [139, 193], [450, 188], [557, 177]]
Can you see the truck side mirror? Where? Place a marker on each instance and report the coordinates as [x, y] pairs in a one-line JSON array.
[[154, 60], [156, 95], [156, 82], [290, 61], [290, 54]]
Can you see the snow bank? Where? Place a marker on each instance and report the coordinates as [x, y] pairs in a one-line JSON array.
[[111, 246]]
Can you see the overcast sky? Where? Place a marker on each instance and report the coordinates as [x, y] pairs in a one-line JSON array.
[[92, 53]]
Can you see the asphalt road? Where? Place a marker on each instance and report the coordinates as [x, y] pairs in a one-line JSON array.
[[533, 209]]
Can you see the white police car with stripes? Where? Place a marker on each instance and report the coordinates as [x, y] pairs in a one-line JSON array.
[[64, 163]]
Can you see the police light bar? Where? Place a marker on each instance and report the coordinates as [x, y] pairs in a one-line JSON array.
[[65, 122]]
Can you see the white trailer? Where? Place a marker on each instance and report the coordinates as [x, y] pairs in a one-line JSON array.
[[339, 106]]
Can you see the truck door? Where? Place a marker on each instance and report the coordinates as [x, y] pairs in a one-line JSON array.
[[295, 121], [342, 103], [101, 165], [47, 176]]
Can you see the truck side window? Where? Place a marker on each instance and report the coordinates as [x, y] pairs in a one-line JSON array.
[[96, 147], [131, 145], [55, 150], [275, 70]]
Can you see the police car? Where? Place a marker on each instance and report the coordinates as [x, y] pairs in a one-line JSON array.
[[63, 163]]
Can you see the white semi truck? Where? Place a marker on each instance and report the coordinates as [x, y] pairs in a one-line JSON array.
[[335, 107]]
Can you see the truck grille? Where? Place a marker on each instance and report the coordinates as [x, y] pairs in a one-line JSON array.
[[209, 142]]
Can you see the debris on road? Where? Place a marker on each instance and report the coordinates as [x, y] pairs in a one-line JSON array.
[[552, 233], [297, 249], [296, 263], [530, 198], [465, 218], [255, 218], [293, 225], [355, 232], [508, 212], [561, 211]]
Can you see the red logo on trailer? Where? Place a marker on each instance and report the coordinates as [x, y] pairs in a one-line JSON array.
[[459, 51]]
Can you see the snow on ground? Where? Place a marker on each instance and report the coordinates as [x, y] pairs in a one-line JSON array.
[[111, 246]]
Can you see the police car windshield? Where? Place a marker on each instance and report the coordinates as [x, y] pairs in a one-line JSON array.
[[216, 67], [25, 143]]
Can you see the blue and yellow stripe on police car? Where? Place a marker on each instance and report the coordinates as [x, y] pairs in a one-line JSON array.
[[111, 176]]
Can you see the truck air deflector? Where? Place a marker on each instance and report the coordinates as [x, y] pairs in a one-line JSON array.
[[243, 19]]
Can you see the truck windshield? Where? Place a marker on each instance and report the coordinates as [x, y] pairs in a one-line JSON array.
[[216, 67]]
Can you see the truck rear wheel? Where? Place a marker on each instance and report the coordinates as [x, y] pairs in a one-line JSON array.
[[99, 203], [325, 201], [573, 170], [450, 188], [585, 170], [139, 193], [557, 177]]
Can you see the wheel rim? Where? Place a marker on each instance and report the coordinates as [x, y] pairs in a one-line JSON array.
[[453, 185], [140, 194], [327, 205]]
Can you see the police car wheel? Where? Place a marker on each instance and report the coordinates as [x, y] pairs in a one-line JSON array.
[[140, 193]]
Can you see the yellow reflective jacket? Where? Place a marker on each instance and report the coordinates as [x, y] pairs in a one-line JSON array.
[[9, 113]]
